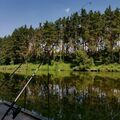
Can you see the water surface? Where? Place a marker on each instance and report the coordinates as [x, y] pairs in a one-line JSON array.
[[67, 96]]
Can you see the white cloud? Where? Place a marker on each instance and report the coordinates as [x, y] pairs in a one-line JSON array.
[[67, 10]]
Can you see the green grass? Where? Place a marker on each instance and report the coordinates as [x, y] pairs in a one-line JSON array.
[[30, 68], [107, 68], [54, 68]]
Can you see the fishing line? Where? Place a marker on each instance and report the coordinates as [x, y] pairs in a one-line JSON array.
[[18, 96]]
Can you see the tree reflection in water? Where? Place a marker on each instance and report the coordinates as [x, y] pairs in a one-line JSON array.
[[81, 96]]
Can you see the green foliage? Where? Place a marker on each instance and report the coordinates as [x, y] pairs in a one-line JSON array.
[[107, 68], [96, 34], [82, 60]]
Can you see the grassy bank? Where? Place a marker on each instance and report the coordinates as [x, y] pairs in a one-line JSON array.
[[30, 68], [57, 66], [106, 68]]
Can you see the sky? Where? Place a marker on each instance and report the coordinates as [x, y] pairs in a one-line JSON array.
[[16, 13]]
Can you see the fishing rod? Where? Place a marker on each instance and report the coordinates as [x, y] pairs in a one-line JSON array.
[[13, 103], [18, 96]]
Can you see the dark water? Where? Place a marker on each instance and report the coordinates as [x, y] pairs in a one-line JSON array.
[[73, 96]]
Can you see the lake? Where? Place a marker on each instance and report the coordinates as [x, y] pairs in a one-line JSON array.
[[67, 95]]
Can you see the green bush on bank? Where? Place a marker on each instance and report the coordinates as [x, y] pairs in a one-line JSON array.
[[107, 68], [82, 60]]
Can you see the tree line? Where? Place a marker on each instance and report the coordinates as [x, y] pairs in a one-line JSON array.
[[86, 37]]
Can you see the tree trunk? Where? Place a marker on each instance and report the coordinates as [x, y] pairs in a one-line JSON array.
[[119, 56]]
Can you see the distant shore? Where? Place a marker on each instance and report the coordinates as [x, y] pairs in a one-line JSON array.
[[29, 68]]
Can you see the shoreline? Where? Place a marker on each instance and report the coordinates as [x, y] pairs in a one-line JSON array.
[[59, 67]]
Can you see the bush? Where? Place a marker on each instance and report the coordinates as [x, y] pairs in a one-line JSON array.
[[82, 60]]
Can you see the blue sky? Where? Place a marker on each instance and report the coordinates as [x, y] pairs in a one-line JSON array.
[[15, 13]]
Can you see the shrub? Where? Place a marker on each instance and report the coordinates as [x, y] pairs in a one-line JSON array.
[[82, 60]]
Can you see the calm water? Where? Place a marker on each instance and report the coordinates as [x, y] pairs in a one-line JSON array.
[[67, 96]]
